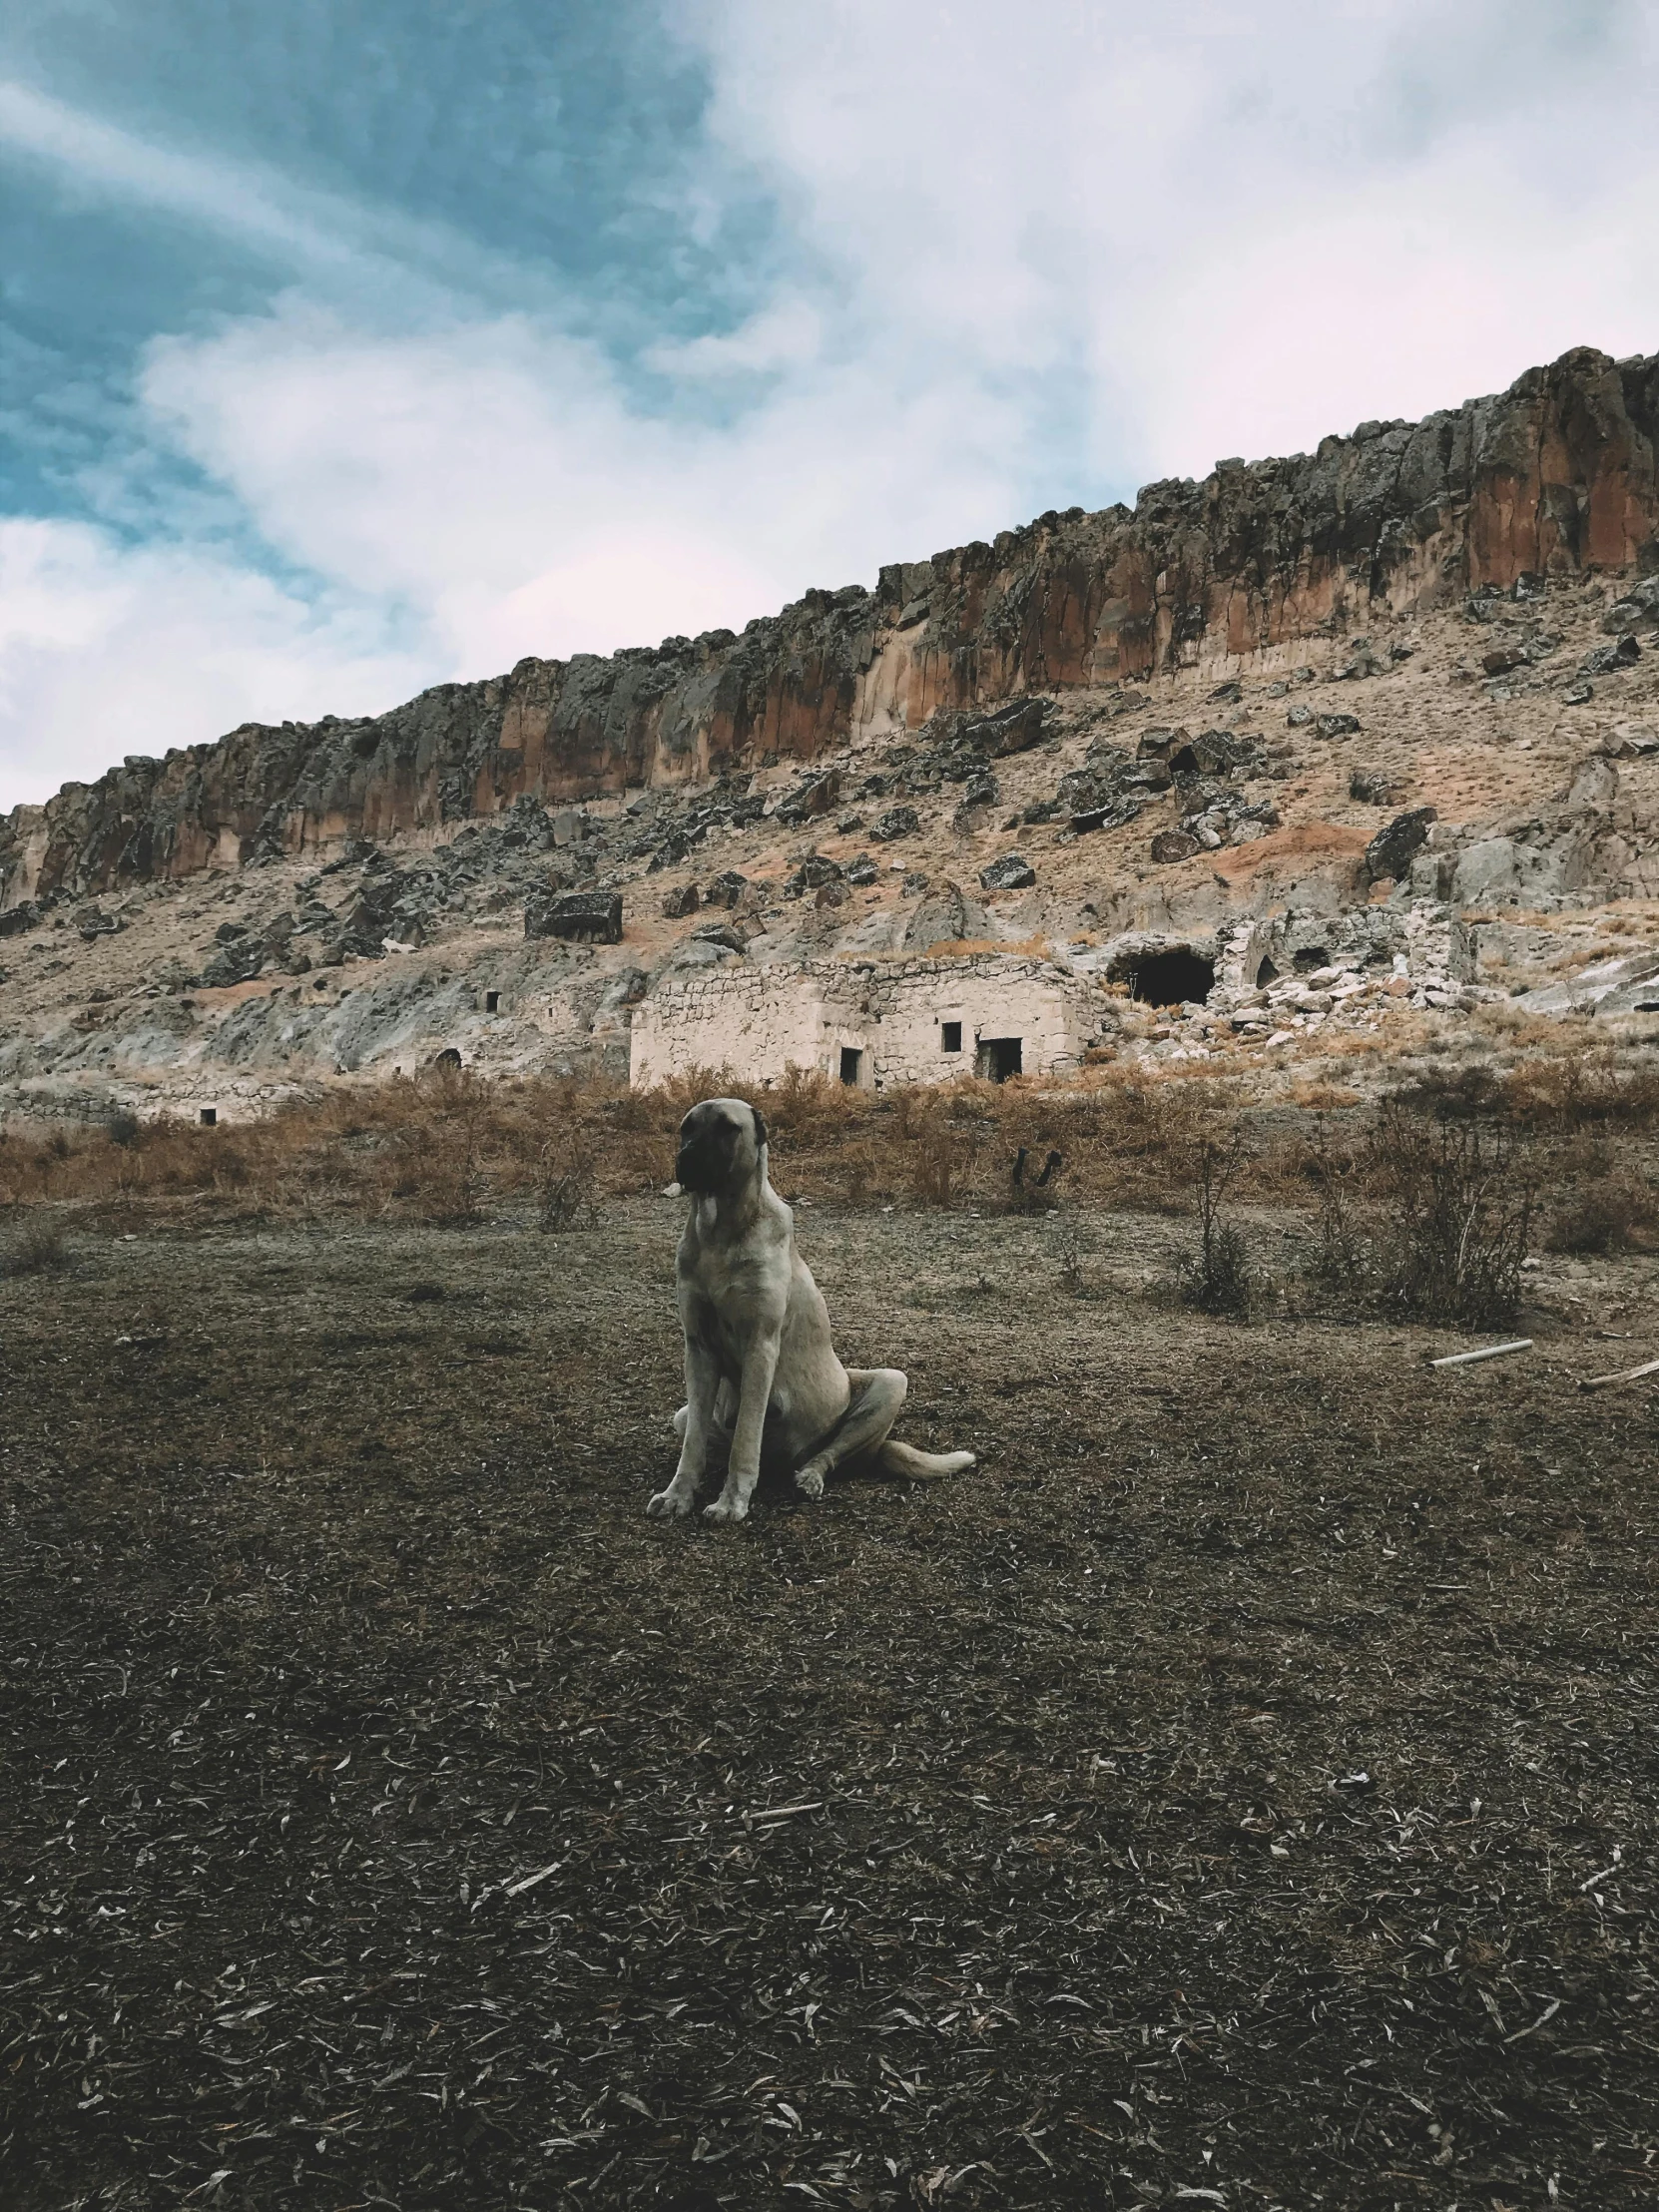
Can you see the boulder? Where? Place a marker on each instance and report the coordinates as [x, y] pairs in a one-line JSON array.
[[1013, 729], [1577, 694], [16, 919], [1010, 874], [1337, 725], [1173, 845], [678, 903], [1503, 659], [814, 871], [1371, 788], [1607, 660], [727, 889], [237, 962], [583, 917], [1628, 741], [724, 934], [861, 870], [1641, 604], [897, 821], [1299, 717], [1389, 855]]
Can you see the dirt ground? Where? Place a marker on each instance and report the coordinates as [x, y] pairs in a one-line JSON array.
[[1237, 1790]]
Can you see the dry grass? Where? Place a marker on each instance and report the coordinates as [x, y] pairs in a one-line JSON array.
[[449, 1149]]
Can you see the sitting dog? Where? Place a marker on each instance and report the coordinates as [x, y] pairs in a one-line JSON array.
[[761, 1379]]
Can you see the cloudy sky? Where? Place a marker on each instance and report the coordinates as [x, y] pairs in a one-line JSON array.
[[348, 346]]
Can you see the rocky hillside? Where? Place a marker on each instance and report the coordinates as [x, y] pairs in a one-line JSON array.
[[1556, 478], [1367, 740]]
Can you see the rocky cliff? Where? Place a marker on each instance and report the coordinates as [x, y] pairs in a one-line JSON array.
[[1558, 475]]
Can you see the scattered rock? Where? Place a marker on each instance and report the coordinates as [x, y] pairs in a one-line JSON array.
[[1010, 874], [237, 962], [17, 919], [1373, 788], [814, 870], [860, 870], [834, 893], [914, 885], [1014, 729], [1577, 694], [722, 933], [1641, 604], [1389, 854], [678, 903], [1628, 741], [897, 821], [1173, 845], [1299, 717], [1607, 660], [1337, 725], [727, 889], [1503, 659], [585, 918]]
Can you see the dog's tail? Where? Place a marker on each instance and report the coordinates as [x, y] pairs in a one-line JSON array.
[[920, 1466]]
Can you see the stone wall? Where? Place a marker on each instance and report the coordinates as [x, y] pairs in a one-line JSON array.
[[758, 1021]]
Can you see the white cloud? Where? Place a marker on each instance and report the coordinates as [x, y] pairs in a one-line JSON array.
[[106, 648], [1039, 256]]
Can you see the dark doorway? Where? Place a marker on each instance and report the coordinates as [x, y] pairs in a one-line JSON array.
[[1311, 958], [1171, 978], [951, 1036], [492, 1001], [998, 1058], [1267, 973], [210, 1116], [852, 1062], [447, 1059]]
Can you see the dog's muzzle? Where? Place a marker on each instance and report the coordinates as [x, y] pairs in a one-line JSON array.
[[696, 1168]]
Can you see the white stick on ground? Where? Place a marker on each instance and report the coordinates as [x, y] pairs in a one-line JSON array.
[[1490, 1352], [1628, 1374]]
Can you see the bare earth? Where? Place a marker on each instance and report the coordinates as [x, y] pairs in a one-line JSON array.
[[1239, 1790]]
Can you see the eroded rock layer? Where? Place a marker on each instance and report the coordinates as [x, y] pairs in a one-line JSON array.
[[1556, 476]]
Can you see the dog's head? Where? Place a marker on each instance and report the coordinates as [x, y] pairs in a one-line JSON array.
[[720, 1143]]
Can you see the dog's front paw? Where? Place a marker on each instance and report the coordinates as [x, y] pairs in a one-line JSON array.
[[726, 1510], [670, 1504], [809, 1481]]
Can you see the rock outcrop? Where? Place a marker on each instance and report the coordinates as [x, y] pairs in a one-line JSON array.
[[1556, 476]]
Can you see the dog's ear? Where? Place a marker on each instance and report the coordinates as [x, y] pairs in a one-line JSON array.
[[760, 1127]]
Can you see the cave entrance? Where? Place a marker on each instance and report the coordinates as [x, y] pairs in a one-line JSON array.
[[1267, 973], [1311, 959], [997, 1058], [1170, 978]]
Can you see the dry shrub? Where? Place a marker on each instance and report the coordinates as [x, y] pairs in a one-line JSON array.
[[1428, 1217], [1218, 1278], [1613, 1212], [1591, 1088], [34, 1247], [567, 1197]]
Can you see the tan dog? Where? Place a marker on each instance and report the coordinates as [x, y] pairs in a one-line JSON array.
[[762, 1377]]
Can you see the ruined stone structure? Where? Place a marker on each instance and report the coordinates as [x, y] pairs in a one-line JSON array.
[[868, 1023]]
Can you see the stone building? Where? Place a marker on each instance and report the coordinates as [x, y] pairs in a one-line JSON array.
[[869, 1023]]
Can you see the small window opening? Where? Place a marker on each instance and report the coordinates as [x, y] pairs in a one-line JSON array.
[[951, 1036], [1311, 958], [1265, 974], [209, 1117], [447, 1059], [998, 1058], [1171, 978], [852, 1061], [492, 1001]]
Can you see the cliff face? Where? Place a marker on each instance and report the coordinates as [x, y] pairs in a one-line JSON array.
[[1558, 475]]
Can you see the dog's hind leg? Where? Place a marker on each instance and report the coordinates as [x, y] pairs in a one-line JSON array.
[[877, 1400]]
